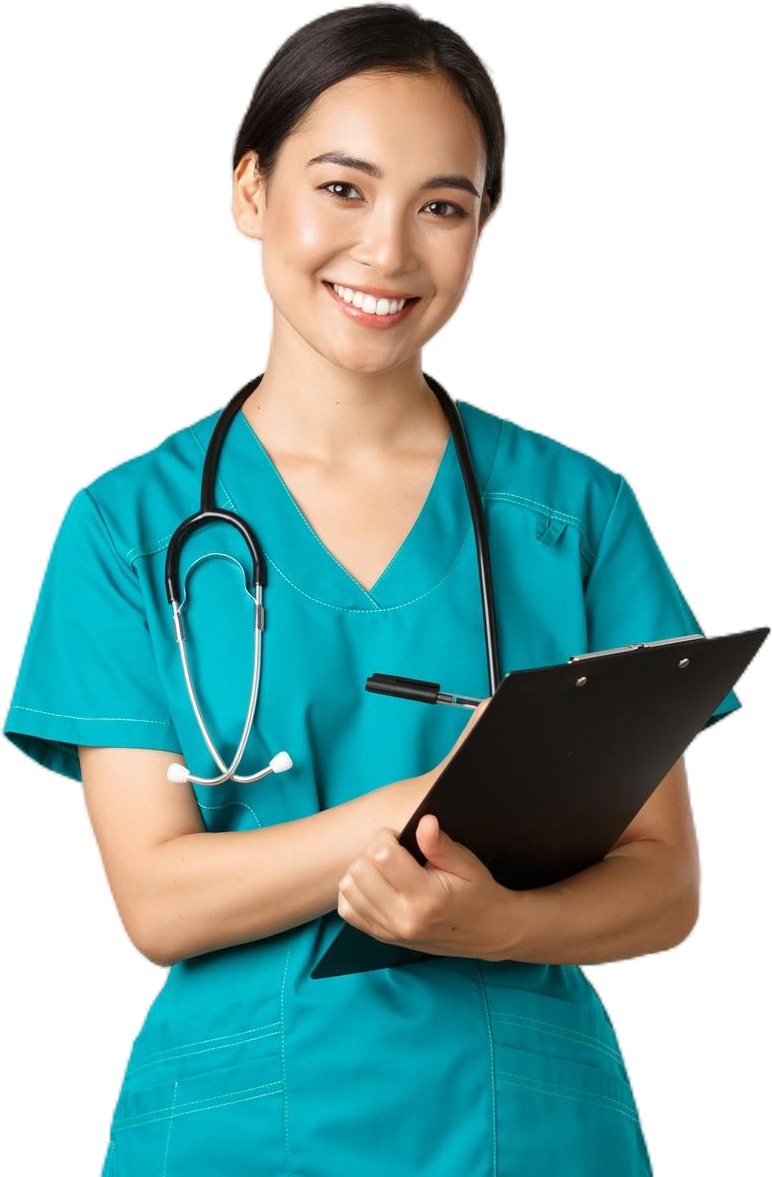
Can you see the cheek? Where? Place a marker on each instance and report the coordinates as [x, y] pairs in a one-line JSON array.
[[301, 234], [454, 264]]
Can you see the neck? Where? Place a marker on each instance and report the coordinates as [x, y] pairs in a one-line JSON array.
[[317, 410]]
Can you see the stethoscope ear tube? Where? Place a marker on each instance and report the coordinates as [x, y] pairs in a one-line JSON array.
[[208, 511], [480, 530]]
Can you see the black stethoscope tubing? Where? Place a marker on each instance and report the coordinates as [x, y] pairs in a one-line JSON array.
[[208, 513]]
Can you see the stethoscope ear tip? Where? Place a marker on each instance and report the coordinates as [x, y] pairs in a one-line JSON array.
[[177, 773], [280, 762]]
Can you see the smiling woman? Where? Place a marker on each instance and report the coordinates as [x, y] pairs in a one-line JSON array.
[[366, 166]]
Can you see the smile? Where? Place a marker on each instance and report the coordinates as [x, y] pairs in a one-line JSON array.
[[372, 317]]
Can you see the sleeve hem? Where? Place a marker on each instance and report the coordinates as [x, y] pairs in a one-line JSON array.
[[52, 739]]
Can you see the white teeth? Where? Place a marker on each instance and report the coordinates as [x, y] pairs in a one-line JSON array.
[[366, 302]]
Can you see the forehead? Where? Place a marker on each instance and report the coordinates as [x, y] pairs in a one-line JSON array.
[[411, 120]]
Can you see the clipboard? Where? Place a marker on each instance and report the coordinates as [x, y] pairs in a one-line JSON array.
[[560, 762]]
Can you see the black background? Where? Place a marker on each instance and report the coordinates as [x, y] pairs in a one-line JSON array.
[[606, 311]]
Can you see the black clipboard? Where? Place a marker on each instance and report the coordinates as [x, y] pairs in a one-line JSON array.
[[560, 762]]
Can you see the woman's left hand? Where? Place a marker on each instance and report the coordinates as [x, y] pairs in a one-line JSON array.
[[452, 906]]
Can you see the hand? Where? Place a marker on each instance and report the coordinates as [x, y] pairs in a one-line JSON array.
[[452, 906]]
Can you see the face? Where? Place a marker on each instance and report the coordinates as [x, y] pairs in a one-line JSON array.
[[410, 231]]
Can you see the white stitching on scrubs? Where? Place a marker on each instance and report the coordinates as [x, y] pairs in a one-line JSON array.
[[226, 804], [212, 1102], [283, 1063], [376, 607], [552, 512], [559, 1031], [169, 1129], [90, 718], [184, 1050], [484, 996], [158, 545], [591, 1097]]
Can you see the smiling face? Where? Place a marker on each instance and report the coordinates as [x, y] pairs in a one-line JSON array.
[[399, 218]]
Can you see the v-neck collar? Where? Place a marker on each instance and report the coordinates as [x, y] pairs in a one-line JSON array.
[[294, 551]]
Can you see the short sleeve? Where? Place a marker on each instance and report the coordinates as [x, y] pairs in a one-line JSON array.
[[88, 673], [631, 595]]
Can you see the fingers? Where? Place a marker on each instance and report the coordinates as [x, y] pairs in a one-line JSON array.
[[381, 886]]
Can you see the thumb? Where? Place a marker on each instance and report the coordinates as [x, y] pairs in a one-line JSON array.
[[435, 844]]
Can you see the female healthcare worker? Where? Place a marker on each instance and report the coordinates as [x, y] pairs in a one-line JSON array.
[[496, 1056]]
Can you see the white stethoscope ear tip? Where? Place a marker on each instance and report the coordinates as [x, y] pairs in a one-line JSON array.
[[280, 762], [177, 773]]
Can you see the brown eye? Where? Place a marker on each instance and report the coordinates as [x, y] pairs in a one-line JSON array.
[[458, 212], [337, 184]]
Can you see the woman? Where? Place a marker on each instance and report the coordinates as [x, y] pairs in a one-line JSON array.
[[368, 164]]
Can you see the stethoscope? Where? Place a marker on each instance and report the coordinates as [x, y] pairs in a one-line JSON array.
[[385, 684]]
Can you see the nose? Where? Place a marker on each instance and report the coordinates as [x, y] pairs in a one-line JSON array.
[[387, 244]]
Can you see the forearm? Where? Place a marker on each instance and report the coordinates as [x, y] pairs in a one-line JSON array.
[[214, 890], [640, 899]]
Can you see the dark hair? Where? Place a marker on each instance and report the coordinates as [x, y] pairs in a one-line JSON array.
[[388, 38]]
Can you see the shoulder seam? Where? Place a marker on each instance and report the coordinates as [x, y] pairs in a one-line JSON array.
[[85, 490]]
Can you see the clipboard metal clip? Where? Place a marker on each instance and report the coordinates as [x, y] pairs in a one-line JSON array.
[[691, 637]]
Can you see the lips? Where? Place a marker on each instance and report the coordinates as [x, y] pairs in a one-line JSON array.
[[368, 319]]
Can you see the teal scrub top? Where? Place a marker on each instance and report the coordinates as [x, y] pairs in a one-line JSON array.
[[243, 1063]]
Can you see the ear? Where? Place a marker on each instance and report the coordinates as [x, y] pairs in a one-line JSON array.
[[249, 196]]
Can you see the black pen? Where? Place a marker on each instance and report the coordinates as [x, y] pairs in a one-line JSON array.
[[417, 689]]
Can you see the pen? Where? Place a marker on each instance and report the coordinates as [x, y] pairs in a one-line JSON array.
[[417, 689]]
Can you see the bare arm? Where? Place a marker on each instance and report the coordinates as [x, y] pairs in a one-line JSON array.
[[231, 887], [182, 891]]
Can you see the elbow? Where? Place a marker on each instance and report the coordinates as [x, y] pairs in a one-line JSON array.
[[692, 896], [147, 939], [688, 911], [139, 936], [155, 950], [163, 959], [692, 917]]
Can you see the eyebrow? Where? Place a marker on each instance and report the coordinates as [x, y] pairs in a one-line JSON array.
[[449, 180]]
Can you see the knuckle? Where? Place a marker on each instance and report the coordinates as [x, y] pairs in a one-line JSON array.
[[432, 911], [409, 927], [410, 930]]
